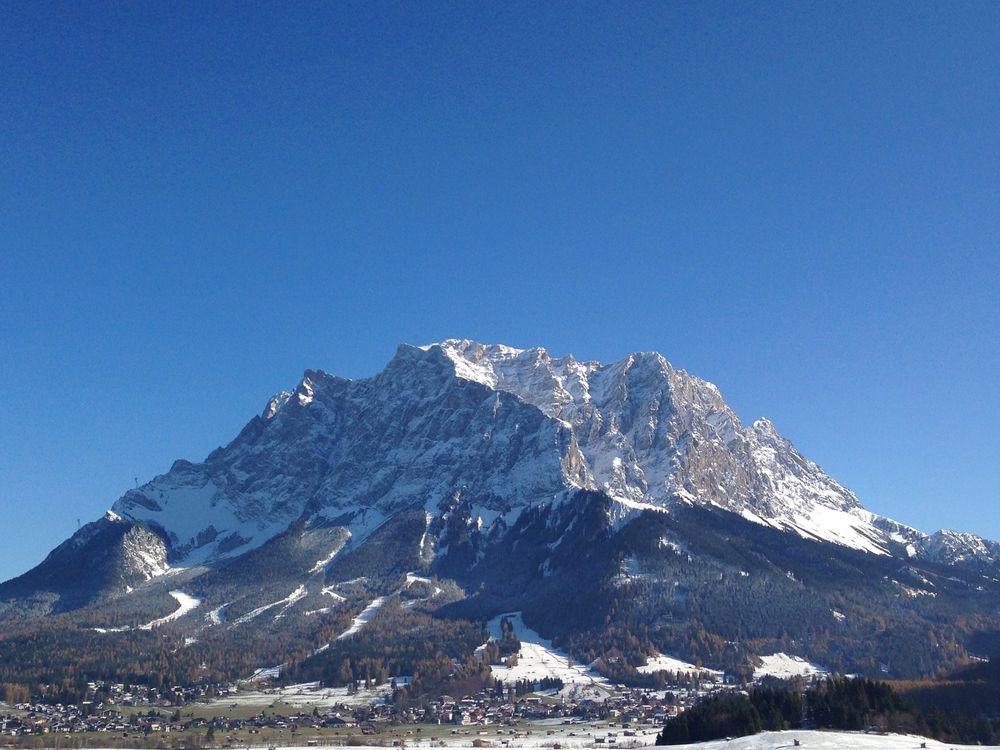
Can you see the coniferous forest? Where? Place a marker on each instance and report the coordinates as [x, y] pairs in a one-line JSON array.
[[849, 704]]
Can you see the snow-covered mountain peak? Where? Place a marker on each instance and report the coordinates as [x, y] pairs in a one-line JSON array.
[[553, 383], [531, 374], [302, 394], [764, 426], [653, 360], [957, 547], [275, 403], [505, 427], [650, 435]]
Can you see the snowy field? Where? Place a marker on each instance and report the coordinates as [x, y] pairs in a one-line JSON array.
[[663, 663], [310, 695], [785, 666], [537, 660]]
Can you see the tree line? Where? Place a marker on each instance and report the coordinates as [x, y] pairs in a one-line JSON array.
[[836, 703]]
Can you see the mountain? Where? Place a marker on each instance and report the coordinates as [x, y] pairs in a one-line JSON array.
[[623, 508], [646, 434]]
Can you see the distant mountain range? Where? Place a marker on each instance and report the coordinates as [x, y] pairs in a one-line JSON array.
[[622, 507]]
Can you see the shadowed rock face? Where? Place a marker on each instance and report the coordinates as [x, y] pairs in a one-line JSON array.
[[110, 555]]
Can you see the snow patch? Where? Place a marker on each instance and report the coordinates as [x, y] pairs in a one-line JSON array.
[[297, 595], [321, 564], [332, 594], [217, 615], [783, 666], [538, 659], [412, 578], [663, 663], [310, 694]]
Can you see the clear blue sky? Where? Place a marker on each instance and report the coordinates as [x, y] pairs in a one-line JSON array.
[[799, 202]]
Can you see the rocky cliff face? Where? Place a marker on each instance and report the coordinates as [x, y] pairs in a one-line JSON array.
[[411, 437], [955, 548], [505, 429], [649, 434]]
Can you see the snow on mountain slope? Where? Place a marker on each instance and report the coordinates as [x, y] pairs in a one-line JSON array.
[[354, 451], [954, 547], [198, 518], [288, 601]]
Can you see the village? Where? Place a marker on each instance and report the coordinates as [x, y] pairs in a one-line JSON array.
[[229, 715]]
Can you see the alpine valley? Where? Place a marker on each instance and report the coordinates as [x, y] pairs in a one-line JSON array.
[[366, 528]]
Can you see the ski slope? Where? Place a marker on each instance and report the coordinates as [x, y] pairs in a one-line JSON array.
[[285, 603], [365, 615], [187, 604]]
